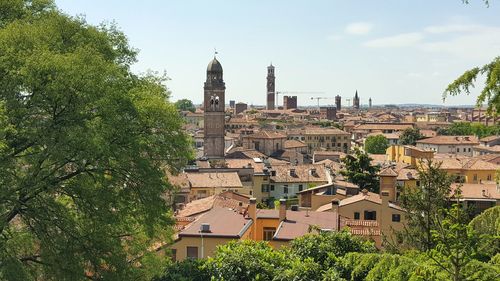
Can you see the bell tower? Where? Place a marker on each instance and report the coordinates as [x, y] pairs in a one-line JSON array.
[[214, 111], [270, 87]]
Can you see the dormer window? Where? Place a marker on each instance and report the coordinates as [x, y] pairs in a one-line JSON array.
[[292, 173]]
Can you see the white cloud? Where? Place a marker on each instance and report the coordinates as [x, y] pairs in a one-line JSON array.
[[449, 28], [482, 44], [400, 40], [359, 28]]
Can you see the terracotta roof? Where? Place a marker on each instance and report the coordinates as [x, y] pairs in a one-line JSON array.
[[466, 164], [294, 144], [393, 136], [223, 200], [223, 222], [451, 140], [297, 223], [266, 135], [490, 149], [389, 172], [383, 126], [337, 183], [303, 173], [407, 174], [490, 138], [214, 179], [478, 191], [428, 133]]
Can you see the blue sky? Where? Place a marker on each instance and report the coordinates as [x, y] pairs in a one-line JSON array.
[[394, 51]]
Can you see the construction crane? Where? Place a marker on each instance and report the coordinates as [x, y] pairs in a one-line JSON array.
[[320, 98], [295, 93]]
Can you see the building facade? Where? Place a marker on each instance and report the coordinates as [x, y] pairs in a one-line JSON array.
[[289, 102]]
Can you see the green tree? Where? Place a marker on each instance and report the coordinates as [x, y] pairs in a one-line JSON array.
[[328, 245], [424, 203], [246, 260], [467, 128], [84, 145], [410, 136], [360, 171], [487, 226], [186, 270], [185, 105], [456, 242], [491, 91], [376, 144]]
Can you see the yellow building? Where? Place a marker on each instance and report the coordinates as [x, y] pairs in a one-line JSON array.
[[218, 226], [469, 170], [322, 139], [408, 154]]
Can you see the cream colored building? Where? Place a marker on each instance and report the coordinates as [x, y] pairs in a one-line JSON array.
[[322, 138]]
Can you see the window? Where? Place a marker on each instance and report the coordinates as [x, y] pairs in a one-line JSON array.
[[301, 187], [458, 149], [370, 215], [418, 183], [269, 233], [465, 149], [174, 255], [272, 187], [265, 188], [356, 215], [192, 252], [469, 149], [396, 217], [489, 177], [285, 189], [475, 177]]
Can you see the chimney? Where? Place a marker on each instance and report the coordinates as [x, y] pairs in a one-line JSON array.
[[364, 191], [282, 210], [252, 209], [385, 198], [335, 210]]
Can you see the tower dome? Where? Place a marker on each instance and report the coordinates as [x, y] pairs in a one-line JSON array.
[[214, 66]]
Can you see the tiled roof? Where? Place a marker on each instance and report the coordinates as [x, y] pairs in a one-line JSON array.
[[222, 200], [407, 174], [294, 144], [490, 138], [451, 140], [303, 173], [466, 164], [298, 223], [383, 126], [223, 222], [214, 179], [389, 172], [478, 191], [266, 135]]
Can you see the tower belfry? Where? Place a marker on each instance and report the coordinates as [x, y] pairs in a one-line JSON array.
[[214, 110], [270, 87]]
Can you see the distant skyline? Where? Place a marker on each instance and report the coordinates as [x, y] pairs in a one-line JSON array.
[[394, 51]]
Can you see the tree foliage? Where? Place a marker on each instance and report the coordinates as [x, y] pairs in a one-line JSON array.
[[84, 144], [490, 94], [376, 144], [467, 128], [185, 105], [360, 171], [410, 136], [424, 203]]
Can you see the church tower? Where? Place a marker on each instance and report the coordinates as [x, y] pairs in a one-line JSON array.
[[270, 87], [355, 101], [214, 111]]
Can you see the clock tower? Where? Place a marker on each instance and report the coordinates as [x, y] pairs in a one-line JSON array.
[[214, 111], [270, 87]]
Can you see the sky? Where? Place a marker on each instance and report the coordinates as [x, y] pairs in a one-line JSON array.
[[394, 51]]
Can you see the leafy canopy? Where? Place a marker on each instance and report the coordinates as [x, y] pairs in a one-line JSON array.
[[376, 144], [410, 136], [360, 171], [185, 105], [84, 144]]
